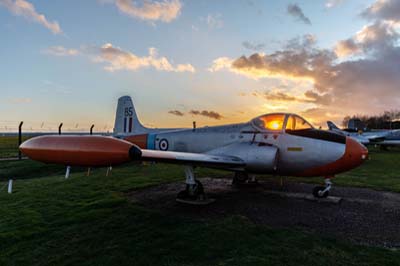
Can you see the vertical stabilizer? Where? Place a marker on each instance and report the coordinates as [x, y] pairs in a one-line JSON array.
[[126, 120], [332, 126]]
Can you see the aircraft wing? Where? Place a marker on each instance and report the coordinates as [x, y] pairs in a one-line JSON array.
[[198, 159], [99, 151]]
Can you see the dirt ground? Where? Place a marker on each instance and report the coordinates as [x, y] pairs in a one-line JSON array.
[[363, 216]]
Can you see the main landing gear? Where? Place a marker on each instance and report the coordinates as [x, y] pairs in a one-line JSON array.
[[194, 192], [323, 191]]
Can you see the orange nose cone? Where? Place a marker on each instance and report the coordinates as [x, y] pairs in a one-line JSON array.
[[355, 153]]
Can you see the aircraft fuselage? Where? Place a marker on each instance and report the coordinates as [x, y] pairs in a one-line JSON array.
[[307, 152]]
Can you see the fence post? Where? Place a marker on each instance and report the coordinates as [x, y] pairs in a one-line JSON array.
[[10, 183], [67, 172], [59, 128], [20, 139], [91, 130], [109, 169]]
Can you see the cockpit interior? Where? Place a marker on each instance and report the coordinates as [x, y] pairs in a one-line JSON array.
[[280, 121]]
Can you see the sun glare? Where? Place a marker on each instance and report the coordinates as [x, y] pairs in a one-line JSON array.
[[275, 125]]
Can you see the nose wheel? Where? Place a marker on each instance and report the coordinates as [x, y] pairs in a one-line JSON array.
[[243, 179], [323, 191]]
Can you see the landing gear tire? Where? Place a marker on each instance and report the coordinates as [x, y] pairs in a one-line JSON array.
[[318, 192], [192, 192], [242, 179]]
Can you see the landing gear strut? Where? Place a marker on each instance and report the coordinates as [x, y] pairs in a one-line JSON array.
[[194, 192], [323, 191]]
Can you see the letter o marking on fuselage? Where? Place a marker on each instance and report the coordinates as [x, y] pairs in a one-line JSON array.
[[163, 144]]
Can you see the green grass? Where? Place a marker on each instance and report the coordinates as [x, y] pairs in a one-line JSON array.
[[87, 220], [26, 169], [380, 172], [9, 146]]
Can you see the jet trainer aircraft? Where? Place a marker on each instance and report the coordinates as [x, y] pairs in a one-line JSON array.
[[277, 143], [381, 137]]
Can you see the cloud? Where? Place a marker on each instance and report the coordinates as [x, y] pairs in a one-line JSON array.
[[214, 21], [300, 42], [332, 3], [308, 97], [346, 48], [368, 84], [253, 46], [164, 10], [27, 10], [383, 10], [221, 63], [318, 116], [118, 59], [280, 96], [337, 85], [295, 11], [378, 37], [60, 51], [300, 62], [319, 99], [20, 100], [209, 114], [176, 112]]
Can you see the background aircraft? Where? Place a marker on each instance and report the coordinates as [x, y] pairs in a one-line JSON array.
[[277, 143], [382, 137]]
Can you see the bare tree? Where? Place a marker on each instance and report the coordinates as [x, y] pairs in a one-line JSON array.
[[387, 119]]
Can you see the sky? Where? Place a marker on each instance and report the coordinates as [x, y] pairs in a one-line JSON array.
[[213, 62]]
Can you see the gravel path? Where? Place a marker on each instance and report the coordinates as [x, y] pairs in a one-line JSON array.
[[363, 216]]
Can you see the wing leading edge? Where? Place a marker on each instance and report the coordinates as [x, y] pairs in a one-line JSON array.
[[196, 159]]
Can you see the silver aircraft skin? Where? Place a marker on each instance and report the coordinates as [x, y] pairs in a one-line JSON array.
[[277, 143], [296, 153]]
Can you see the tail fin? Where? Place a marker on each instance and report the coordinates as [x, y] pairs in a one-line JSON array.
[[126, 120], [332, 126]]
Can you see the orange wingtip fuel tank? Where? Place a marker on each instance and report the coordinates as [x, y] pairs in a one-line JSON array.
[[80, 150]]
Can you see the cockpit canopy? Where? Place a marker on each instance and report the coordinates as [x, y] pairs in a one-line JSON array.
[[277, 122]]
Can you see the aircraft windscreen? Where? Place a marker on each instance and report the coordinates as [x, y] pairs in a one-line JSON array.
[[295, 122], [269, 122]]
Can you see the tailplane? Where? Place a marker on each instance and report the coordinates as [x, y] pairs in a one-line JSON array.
[[126, 120]]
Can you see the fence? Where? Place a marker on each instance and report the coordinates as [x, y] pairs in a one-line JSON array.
[[15, 133]]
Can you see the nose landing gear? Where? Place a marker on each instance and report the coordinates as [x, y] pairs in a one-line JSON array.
[[243, 179], [323, 191]]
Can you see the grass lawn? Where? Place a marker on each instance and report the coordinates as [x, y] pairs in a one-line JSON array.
[[86, 220], [9, 146], [380, 172]]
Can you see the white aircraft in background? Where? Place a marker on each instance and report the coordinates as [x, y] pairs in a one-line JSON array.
[[381, 137], [355, 135]]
